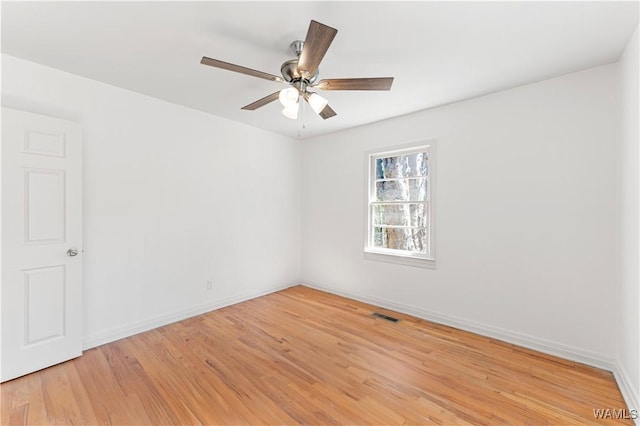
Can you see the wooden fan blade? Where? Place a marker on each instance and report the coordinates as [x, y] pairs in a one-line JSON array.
[[327, 112], [237, 68], [262, 102], [381, 83], [319, 38]]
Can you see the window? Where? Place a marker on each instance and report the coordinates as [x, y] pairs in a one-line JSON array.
[[400, 218]]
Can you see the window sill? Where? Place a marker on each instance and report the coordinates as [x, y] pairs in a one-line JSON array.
[[400, 260]]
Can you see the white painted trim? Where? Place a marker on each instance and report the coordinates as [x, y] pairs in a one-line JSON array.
[[151, 323], [631, 397], [400, 260], [520, 339]]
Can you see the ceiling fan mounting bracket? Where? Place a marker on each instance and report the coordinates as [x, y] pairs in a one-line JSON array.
[[296, 47]]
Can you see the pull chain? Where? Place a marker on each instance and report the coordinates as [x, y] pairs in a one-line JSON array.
[[304, 125], [302, 109]]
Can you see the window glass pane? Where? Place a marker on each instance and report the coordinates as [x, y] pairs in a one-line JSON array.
[[399, 204], [400, 214], [407, 239], [400, 166], [402, 190]]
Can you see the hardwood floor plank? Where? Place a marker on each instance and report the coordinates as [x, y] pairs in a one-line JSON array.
[[80, 394], [17, 415], [26, 398], [171, 374], [110, 403], [60, 403], [224, 375], [301, 356], [132, 378]]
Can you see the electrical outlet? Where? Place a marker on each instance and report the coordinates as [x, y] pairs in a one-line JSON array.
[[209, 284]]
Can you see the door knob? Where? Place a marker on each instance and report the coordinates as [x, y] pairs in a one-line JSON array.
[[72, 252]]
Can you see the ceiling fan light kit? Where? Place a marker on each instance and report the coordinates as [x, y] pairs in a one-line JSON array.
[[288, 96], [316, 102], [291, 111], [302, 73]]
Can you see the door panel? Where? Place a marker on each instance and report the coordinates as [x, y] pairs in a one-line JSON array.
[[44, 304], [41, 220], [41, 143], [44, 196]]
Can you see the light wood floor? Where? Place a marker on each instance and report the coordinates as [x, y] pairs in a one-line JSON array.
[[304, 356]]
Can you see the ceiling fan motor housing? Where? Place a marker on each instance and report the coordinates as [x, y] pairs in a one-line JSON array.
[[289, 69]]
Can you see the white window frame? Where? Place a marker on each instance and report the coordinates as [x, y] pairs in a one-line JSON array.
[[400, 256]]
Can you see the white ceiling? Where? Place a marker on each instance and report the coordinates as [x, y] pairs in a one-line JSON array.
[[438, 52]]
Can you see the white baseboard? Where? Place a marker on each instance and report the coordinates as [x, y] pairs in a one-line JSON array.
[[151, 323], [631, 396], [520, 339]]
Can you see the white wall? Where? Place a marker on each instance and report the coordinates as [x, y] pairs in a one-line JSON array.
[[629, 329], [172, 197], [528, 238], [527, 215]]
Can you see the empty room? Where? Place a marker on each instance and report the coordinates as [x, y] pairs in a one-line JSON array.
[[314, 212]]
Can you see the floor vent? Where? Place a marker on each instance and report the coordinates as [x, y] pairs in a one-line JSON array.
[[385, 317]]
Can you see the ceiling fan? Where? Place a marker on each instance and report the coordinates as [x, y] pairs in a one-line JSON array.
[[302, 74]]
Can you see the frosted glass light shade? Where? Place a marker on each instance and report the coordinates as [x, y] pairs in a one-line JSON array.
[[288, 96], [317, 102], [291, 111]]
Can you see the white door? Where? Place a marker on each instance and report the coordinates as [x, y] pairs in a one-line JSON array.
[[41, 242]]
